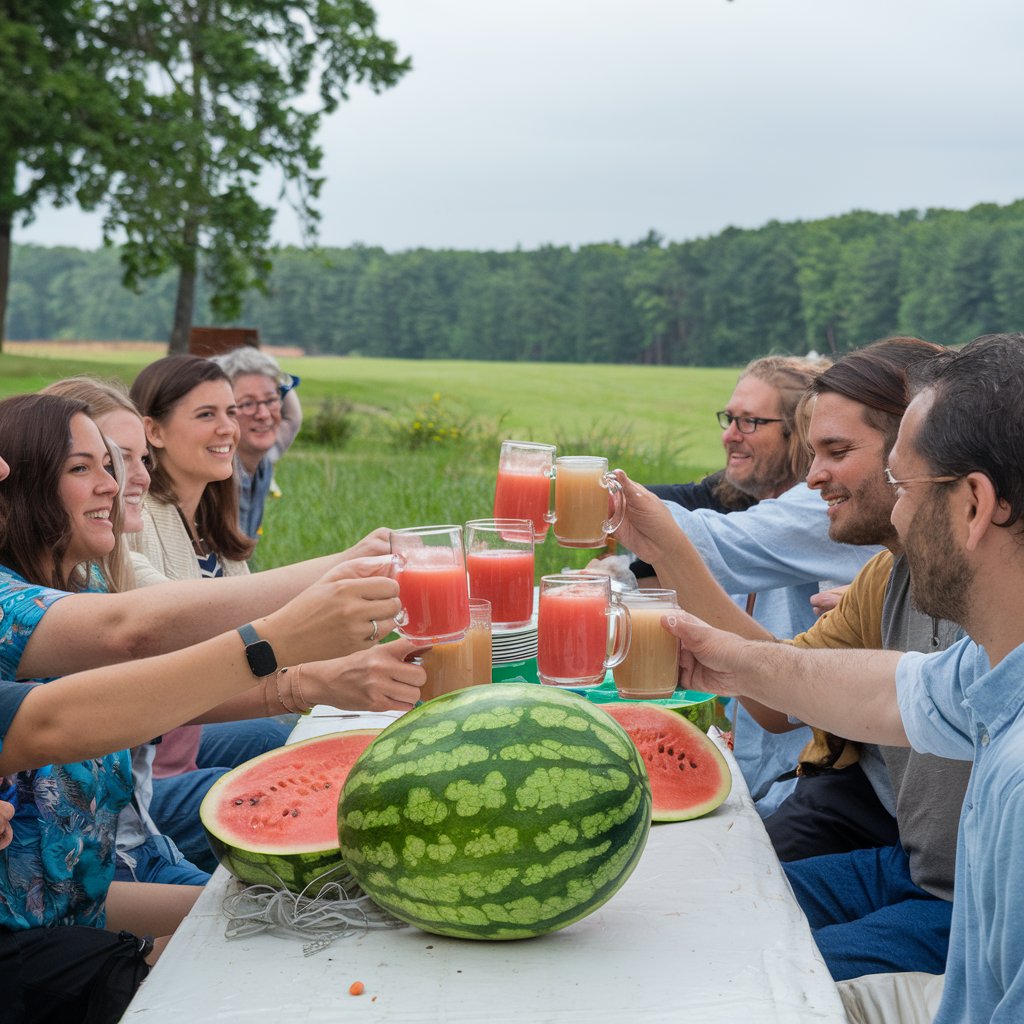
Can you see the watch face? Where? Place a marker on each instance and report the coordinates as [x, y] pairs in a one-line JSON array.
[[261, 658]]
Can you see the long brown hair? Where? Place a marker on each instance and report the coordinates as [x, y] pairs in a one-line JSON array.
[[35, 530], [156, 392], [104, 397]]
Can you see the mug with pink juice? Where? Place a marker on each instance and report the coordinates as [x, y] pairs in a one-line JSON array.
[[582, 487], [650, 668], [581, 631], [499, 560], [432, 585], [523, 487]]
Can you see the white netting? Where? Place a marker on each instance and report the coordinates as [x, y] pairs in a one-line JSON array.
[[339, 909]]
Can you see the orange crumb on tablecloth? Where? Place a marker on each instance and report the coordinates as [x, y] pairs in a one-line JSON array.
[[356, 988]]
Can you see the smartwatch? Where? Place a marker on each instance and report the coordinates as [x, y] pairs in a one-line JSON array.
[[259, 653]]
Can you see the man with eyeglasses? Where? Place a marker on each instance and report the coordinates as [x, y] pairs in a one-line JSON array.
[[878, 909], [957, 473], [269, 415], [772, 551]]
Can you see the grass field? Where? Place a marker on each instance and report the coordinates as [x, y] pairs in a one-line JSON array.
[[417, 441]]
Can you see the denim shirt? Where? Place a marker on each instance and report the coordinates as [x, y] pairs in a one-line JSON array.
[[955, 705]]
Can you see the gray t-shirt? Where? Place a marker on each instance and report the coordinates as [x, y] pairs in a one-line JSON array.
[[929, 790]]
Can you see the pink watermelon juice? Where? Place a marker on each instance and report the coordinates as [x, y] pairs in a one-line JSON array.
[[572, 637], [523, 496], [436, 601], [505, 578]]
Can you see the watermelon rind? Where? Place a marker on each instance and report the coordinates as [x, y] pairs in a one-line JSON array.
[[246, 849], [689, 774], [496, 812]]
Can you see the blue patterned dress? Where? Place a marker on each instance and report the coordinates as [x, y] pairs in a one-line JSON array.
[[61, 862]]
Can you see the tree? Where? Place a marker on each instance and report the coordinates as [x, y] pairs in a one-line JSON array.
[[58, 112], [213, 93]]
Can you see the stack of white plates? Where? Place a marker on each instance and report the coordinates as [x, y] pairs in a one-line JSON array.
[[508, 645]]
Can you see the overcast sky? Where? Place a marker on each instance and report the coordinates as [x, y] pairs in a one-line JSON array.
[[527, 122]]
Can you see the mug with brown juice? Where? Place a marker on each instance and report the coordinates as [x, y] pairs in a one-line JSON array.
[[651, 666], [460, 663], [582, 488]]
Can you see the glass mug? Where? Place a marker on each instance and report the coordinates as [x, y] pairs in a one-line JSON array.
[[581, 631], [582, 486], [460, 663], [431, 574], [523, 487], [650, 668], [499, 560]]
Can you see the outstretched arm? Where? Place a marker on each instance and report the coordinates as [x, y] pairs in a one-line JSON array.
[[93, 713], [849, 692], [88, 630]]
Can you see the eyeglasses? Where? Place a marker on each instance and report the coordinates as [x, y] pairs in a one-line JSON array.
[[250, 406], [744, 424], [893, 482]]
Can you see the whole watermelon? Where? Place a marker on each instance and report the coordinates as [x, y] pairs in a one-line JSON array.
[[496, 812]]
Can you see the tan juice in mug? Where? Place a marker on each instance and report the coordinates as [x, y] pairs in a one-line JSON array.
[[581, 502], [479, 640], [449, 667], [651, 666]]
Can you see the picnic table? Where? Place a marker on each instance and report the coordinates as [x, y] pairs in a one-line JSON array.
[[706, 929]]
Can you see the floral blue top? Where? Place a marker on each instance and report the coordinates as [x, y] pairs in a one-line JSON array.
[[61, 862]]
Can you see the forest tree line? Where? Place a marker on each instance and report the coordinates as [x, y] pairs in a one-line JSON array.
[[828, 285]]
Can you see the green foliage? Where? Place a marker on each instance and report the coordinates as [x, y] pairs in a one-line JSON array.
[[333, 425], [433, 424], [831, 285], [214, 91]]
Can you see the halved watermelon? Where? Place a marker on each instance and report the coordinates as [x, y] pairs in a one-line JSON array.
[[274, 819], [689, 776]]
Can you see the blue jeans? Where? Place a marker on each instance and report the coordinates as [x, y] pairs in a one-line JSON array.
[[867, 916], [156, 860], [176, 800]]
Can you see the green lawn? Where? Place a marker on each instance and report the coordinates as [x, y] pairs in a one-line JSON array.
[[656, 422]]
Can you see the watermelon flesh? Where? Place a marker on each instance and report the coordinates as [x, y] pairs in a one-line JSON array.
[[689, 776], [274, 819], [496, 812]]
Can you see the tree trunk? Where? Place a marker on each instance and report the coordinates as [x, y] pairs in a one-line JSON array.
[[185, 303], [184, 308]]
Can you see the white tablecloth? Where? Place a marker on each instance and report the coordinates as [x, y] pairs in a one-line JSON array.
[[705, 930]]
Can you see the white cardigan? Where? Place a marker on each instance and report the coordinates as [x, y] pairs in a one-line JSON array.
[[163, 550]]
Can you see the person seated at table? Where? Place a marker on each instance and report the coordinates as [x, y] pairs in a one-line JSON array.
[[269, 417], [956, 473], [144, 853], [190, 531], [62, 743], [774, 556], [871, 910]]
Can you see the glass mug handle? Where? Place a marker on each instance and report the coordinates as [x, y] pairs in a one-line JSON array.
[[614, 488], [549, 516], [620, 633]]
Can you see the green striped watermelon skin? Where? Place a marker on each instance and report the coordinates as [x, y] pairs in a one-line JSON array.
[[271, 821], [496, 812]]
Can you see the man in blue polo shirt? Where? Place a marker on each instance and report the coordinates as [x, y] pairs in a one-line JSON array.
[[958, 473]]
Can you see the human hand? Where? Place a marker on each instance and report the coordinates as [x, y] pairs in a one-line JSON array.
[[379, 679], [711, 660], [377, 542], [6, 828], [647, 525], [826, 600], [348, 609]]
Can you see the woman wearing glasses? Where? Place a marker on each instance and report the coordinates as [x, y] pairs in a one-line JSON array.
[[269, 417]]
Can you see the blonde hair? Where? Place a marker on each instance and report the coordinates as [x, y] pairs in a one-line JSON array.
[[104, 397]]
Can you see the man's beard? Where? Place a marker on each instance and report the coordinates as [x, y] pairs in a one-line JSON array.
[[766, 480], [940, 577]]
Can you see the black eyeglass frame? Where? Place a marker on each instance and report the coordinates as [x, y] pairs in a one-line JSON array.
[[744, 424]]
